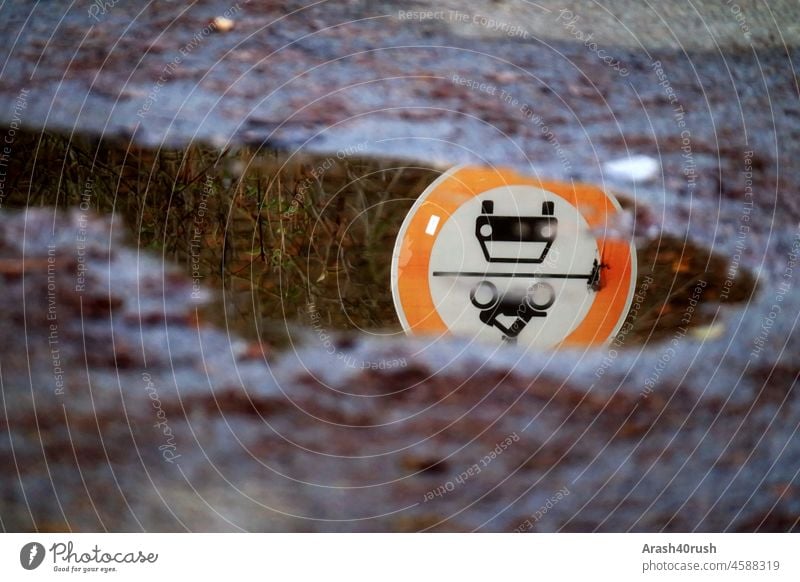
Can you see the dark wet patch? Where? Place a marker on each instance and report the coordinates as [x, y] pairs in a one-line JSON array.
[[689, 283], [302, 244]]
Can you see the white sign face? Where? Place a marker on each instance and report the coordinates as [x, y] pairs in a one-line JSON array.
[[502, 270], [492, 255]]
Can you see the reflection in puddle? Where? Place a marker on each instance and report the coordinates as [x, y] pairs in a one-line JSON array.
[[298, 242]]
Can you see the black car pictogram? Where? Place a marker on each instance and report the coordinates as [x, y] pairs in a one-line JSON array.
[[515, 239]]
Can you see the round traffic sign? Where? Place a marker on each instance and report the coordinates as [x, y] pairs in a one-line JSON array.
[[502, 257]]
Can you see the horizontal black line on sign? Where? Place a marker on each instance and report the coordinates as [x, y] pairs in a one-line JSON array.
[[490, 274]]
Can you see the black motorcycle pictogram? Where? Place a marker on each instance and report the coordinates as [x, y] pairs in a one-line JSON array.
[[522, 310]]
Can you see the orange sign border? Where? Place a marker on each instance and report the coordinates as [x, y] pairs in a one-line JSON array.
[[411, 257]]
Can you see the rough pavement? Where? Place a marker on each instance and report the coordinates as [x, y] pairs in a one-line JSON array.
[[123, 412]]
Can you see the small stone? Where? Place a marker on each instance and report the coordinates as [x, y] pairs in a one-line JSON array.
[[636, 168], [222, 24], [708, 332]]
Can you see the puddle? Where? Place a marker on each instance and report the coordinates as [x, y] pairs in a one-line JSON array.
[[295, 242]]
